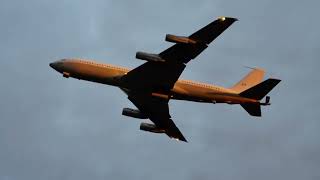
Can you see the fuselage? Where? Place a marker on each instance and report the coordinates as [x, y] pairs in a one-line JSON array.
[[182, 90]]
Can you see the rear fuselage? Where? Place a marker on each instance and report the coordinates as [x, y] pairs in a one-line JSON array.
[[182, 90]]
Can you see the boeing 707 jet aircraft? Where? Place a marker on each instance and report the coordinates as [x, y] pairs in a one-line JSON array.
[[151, 85]]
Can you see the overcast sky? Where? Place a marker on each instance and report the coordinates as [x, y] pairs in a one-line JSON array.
[[57, 128]]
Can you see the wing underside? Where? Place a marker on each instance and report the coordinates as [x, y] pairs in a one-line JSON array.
[[161, 75], [158, 112], [164, 74]]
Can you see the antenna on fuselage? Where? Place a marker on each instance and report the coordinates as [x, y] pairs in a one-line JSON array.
[[249, 67]]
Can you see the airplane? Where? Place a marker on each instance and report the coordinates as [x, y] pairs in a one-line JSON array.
[[153, 84]]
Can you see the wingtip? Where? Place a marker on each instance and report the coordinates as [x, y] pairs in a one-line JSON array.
[[224, 18], [183, 139], [276, 80], [180, 139]]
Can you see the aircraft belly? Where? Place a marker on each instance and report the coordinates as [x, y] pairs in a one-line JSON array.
[[197, 96]]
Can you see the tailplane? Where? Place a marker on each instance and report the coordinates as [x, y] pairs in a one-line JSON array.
[[257, 92], [252, 109], [251, 79]]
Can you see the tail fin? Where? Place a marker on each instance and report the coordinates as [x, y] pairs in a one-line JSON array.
[[260, 90], [251, 79]]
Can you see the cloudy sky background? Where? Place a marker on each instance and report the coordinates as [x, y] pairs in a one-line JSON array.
[[56, 128]]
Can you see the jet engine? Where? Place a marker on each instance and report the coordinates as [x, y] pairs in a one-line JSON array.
[[134, 113], [151, 128], [149, 57], [179, 39]]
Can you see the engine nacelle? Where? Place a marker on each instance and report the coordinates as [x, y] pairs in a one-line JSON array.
[[151, 128], [179, 39], [134, 113], [149, 57]]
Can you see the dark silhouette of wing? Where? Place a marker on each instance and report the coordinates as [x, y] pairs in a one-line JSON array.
[[157, 110], [163, 75]]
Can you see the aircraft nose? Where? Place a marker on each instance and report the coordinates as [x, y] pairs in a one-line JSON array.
[[54, 65], [57, 65], [51, 65]]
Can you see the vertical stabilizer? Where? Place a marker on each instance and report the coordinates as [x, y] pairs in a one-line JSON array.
[[251, 79]]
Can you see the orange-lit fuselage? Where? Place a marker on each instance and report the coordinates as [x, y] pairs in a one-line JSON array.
[[182, 90]]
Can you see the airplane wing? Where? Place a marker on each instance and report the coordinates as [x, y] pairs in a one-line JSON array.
[[183, 53], [163, 75], [157, 110], [160, 76]]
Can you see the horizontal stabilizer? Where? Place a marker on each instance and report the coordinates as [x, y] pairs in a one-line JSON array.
[[259, 91], [252, 109]]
